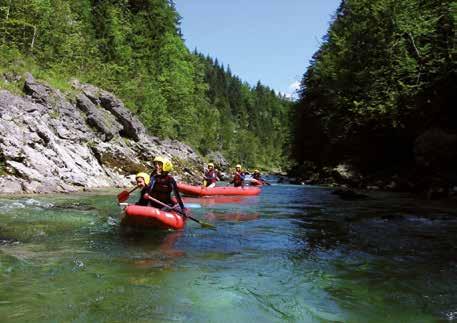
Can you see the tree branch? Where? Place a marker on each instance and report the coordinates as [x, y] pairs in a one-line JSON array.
[[414, 45]]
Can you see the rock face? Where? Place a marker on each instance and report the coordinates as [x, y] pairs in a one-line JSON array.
[[49, 144], [218, 160]]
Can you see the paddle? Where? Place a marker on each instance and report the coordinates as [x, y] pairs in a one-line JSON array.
[[187, 205], [192, 205], [203, 224], [264, 182], [124, 195]]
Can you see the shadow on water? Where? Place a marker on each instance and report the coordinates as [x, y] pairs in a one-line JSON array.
[[231, 217], [156, 247], [387, 252], [294, 253]]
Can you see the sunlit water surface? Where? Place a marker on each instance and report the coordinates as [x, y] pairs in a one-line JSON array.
[[294, 253]]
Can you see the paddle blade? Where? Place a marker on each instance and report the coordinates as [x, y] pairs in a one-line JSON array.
[[203, 224], [207, 225], [123, 196], [192, 205]]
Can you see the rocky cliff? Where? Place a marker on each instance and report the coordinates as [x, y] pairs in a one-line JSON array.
[[55, 142]]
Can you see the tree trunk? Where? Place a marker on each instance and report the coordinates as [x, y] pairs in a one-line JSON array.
[[33, 38], [8, 10]]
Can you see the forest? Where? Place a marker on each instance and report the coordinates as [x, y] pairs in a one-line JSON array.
[[135, 49], [380, 92]]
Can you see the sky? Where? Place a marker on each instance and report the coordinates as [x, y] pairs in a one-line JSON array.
[[267, 40]]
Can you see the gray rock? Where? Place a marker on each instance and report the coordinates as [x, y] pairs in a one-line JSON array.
[[102, 121], [346, 173], [132, 127], [219, 161], [10, 185], [48, 144]]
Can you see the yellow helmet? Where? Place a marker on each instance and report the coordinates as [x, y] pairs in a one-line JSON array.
[[256, 171], [210, 164], [167, 166], [145, 176], [238, 166]]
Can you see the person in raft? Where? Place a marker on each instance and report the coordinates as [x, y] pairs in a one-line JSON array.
[[238, 177], [257, 176], [162, 185], [210, 177], [142, 182]]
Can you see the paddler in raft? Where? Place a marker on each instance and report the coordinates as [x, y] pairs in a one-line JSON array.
[[210, 176], [238, 177], [257, 176], [142, 182], [162, 185]]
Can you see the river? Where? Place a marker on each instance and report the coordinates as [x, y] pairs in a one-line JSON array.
[[294, 253]]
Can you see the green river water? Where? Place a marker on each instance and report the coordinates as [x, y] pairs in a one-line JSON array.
[[292, 254]]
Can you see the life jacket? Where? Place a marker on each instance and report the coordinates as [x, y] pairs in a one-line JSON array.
[[238, 179], [256, 176], [210, 177], [161, 187]]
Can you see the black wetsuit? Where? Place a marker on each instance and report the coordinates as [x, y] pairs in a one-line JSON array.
[[161, 187], [142, 201]]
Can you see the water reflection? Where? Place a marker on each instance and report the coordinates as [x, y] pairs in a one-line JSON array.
[[294, 253], [390, 252], [222, 201], [233, 217], [152, 249]]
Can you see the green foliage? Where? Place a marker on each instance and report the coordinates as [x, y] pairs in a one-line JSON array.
[[254, 125], [385, 72], [134, 48]]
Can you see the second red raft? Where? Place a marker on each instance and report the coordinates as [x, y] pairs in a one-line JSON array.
[[256, 182], [148, 217], [218, 190]]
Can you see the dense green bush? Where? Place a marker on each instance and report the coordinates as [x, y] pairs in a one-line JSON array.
[[385, 73]]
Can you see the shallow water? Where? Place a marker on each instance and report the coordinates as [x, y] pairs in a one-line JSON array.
[[294, 253]]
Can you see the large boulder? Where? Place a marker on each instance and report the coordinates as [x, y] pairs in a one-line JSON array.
[[101, 120], [50, 144], [346, 173], [219, 160]]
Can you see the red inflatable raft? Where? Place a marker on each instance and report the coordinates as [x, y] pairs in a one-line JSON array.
[[148, 217], [255, 182], [221, 190]]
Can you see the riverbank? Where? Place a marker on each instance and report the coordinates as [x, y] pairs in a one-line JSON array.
[[82, 140], [424, 183]]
